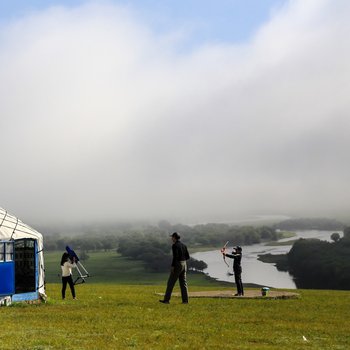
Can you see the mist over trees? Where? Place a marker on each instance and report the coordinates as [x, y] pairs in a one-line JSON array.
[[151, 244], [107, 238], [310, 224]]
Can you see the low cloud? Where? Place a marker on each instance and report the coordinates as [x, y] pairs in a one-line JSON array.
[[101, 118]]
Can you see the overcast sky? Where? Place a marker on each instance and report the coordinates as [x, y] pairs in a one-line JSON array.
[[117, 111]]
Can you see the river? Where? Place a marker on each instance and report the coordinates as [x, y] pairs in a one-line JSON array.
[[255, 271]]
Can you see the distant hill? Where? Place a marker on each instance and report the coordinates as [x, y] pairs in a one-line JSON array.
[[310, 224]]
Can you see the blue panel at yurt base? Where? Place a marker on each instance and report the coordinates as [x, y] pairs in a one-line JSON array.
[[25, 296], [7, 277]]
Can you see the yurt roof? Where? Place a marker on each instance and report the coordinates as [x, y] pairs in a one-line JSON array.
[[13, 228]]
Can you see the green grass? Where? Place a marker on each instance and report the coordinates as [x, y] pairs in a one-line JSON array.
[[110, 268], [118, 309], [104, 267], [111, 316]]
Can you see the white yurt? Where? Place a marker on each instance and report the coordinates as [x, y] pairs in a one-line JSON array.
[[22, 274]]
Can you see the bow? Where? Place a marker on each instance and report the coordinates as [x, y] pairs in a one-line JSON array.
[[223, 251]]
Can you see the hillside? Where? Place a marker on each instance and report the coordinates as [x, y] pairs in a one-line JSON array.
[[111, 316]]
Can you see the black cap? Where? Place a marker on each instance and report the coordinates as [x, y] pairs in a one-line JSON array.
[[239, 248], [175, 235]]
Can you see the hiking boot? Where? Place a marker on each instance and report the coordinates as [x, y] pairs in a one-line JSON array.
[[164, 301]]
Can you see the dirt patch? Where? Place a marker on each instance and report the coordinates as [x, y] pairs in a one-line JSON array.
[[249, 294]]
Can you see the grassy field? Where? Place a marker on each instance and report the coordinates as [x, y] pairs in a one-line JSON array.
[[118, 309], [111, 316], [110, 268], [104, 267]]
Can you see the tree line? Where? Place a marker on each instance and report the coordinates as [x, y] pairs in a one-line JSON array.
[[313, 263], [151, 244], [317, 264], [205, 235], [155, 253], [154, 249]]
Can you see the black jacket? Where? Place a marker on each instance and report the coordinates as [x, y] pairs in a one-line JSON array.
[[180, 252], [237, 268]]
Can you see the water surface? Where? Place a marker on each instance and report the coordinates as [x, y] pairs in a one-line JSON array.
[[255, 271]]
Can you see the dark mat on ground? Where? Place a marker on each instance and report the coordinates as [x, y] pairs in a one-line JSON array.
[[248, 294]]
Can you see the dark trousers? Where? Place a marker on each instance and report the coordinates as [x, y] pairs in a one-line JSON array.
[[178, 273], [68, 280], [239, 283]]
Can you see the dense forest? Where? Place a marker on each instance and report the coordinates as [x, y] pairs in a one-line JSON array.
[[318, 264]]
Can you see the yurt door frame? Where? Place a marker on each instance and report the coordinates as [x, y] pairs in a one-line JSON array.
[[26, 269]]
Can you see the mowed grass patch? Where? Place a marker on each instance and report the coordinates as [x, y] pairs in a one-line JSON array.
[[108, 316]]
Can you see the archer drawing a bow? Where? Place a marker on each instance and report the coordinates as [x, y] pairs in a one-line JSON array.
[[223, 251]]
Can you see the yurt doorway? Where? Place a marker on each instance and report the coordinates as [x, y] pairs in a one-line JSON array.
[[25, 265]]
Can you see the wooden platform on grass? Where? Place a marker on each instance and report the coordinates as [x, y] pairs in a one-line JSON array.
[[249, 294]]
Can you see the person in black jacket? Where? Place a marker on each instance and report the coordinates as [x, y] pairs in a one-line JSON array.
[[178, 270], [237, 268]]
